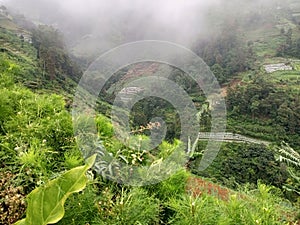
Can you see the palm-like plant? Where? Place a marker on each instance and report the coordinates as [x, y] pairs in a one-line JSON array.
[[289, 156]]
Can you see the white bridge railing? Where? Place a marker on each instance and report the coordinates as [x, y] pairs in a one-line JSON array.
[[230, 137]]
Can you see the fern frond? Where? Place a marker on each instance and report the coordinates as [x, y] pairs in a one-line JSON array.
[[288, 155]]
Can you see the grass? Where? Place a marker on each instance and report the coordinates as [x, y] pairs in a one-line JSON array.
[[259, 206]]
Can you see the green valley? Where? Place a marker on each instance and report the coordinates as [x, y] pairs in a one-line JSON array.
[[48, 177]]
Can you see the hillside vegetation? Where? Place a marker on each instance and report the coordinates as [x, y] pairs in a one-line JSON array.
[[46, 177]]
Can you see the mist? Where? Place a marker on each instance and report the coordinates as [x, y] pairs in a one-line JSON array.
[[94, 26]]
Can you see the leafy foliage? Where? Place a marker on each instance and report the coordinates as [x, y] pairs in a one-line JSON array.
[[106, 203], [291, 46], [261, 100], [206, 209], [46, 204], [226, 53], [292, 158], [240, 164]]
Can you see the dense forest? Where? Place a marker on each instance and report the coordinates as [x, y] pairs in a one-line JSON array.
[[47, 177]]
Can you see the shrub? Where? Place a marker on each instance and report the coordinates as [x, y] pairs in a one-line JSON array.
[[173, 187], [261, 207], [194, 210], [12, 203], [133, 206]]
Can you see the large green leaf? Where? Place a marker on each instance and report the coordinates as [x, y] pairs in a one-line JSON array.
[[46, 204]]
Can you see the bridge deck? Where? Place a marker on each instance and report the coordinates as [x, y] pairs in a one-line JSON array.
[[230, 137]]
